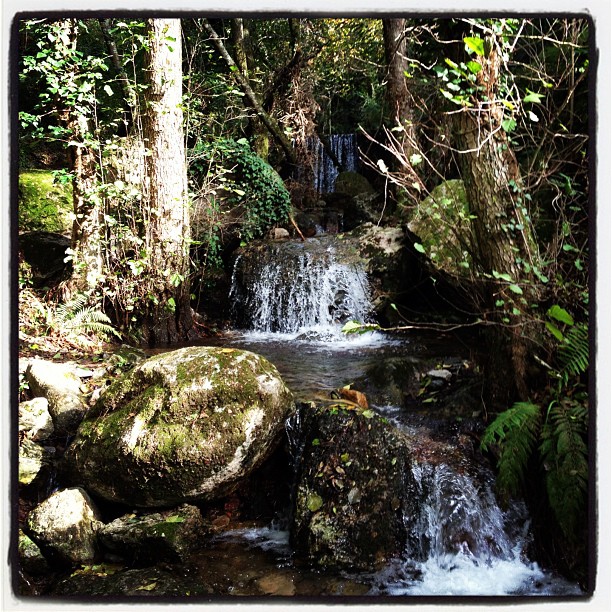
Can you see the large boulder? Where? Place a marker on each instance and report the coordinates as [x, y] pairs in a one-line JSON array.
[[61, 386], [64, 527], [35, 462], [359, 498], [182, 426], [354, 488]]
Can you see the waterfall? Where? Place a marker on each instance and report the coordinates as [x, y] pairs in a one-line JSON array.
[[297, 287], [325, 172]]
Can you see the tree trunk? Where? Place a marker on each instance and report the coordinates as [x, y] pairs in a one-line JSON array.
[[398, 97], [87, 226], [252, 98], [168, 315], [502, 233]]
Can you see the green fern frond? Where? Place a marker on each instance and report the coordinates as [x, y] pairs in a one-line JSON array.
[[75, 316], [516, 432], [574, 352], [565, 457]]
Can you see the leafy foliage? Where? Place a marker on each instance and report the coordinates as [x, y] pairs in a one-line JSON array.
[[574, 352], [565, 458], [516, 432], [77, 316], [247, 186]]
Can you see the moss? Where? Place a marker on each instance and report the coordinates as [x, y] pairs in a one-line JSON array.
[[43, 204]]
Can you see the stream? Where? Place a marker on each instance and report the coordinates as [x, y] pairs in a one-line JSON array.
[[290, 302]]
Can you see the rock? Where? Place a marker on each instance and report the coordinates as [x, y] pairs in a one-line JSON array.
[[64, 526], [35, 420], [279, 233], [59, 384], [45, 253], [182, 426], [307, 224], [352, 184], [359, 496], [353, 490], [108, 581], [149, 538], [34, 462], [31, 560], [442, 223]]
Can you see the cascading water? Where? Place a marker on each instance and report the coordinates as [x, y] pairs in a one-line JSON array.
[[344, 147], [299, 288]]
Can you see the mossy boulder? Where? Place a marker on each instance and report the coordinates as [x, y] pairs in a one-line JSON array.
[[64, 527], [183, 426], [442, 222], [44, 204], [354, 489]]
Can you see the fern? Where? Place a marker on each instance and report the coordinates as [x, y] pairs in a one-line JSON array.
[[574, 352], [516, 432], [75, 316], [565, 457]]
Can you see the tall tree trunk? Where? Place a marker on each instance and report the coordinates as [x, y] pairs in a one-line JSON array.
[[240, 41], [398, 98], [502, 232], [168, 315], [87, 226], [252, 98]]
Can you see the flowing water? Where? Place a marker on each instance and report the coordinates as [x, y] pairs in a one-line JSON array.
[[291, 301]]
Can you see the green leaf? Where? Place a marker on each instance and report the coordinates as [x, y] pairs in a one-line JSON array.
[[475, 44], [508, 124], [316, 442], [419, 247], [368, 414], [515, 289], [502, 276], [474, 67], [533, 97], [175, 518], [560, 314], [554, 330], [314, 502]]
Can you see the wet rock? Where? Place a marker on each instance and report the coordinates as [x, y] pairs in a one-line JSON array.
[[150, 538], [440, 374], [182, 426], [107, 581], [31, 560], [64, 526], [353, 490], [307, 224], [35, 420], [61, 386], [34, 462]]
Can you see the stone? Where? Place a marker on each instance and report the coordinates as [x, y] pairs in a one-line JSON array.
[[34, 462], [441, 374], [60, 385], [64, 527], [31, 560], [183, 426], [148, 538], [353, 489], [45, 253], [352, 184], [279, 233], [35, 420]]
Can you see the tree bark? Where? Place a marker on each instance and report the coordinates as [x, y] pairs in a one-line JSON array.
[[87, 226], [502, 231], [168, 316], [269, 121], [398, 97]]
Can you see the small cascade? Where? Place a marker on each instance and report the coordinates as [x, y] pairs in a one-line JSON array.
[[299, 287], [325, 171]]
